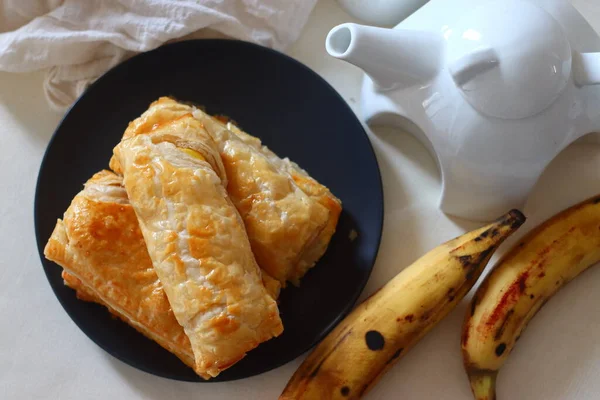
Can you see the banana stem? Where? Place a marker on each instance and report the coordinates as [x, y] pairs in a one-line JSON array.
[[483, 384]]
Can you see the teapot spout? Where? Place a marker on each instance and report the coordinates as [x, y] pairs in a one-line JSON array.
[[391, 57]]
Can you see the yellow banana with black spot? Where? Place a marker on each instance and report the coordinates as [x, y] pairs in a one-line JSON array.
[[352, 358], [520, 284]]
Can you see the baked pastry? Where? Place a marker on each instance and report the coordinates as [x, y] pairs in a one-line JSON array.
[[196, 239], [289, 217], [102, 251], [317, 192]]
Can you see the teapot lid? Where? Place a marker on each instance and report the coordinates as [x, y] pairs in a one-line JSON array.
[[510, 59]]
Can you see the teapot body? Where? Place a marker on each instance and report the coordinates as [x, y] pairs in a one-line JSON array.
[[489, 159]]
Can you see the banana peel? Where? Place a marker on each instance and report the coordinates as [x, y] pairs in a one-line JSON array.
[[369, 341], [528, 275]]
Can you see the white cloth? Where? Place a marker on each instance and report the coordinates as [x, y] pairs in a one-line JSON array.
[[78, 40]]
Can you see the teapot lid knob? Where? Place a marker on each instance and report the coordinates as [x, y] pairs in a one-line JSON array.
[[510, 58]]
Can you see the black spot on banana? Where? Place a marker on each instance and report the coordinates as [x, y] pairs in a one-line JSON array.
[[520, 284], [369, 341], [375, 340]]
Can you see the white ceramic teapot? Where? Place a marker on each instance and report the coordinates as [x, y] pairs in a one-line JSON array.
[[494, 88]]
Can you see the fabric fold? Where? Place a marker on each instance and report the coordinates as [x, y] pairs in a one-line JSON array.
[[80, 40]]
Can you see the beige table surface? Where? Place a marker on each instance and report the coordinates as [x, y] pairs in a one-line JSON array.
[[43, 355]]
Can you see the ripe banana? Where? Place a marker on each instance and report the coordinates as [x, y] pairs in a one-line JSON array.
[[520, 284], [352, 358]]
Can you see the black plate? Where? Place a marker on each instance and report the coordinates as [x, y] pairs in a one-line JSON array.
[[295, 112]]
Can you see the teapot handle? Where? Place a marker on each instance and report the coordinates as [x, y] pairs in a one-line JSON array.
[[586, 68]]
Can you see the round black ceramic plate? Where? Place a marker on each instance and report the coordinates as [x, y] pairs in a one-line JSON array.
[[295, 113]]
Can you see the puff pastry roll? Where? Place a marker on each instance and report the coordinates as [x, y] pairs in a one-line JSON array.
[[289, 216], [101, 249], [317, 192], [196, 239]]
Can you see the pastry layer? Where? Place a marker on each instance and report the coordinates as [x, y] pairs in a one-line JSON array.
[[100, 245], [86, 293], [101, 248], [197, 242], [289, 216]]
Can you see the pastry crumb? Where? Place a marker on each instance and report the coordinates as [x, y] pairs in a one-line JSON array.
[[352, 235]]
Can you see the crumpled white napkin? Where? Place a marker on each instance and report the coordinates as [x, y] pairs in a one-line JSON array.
[[78, 40]]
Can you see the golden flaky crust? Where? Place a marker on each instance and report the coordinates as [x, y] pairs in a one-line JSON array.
[[101, 248], [182, 350], [289, 216], [197, 242], [104, 256], [317, 192]]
